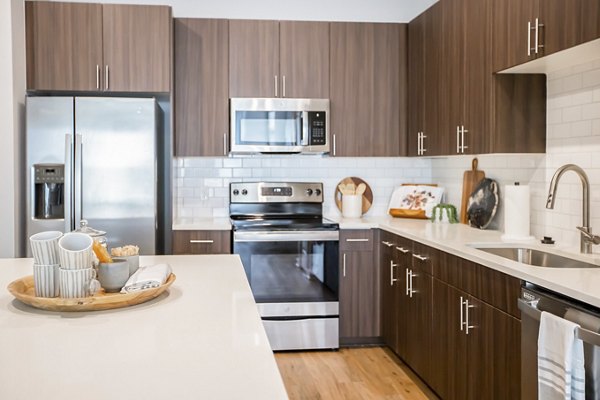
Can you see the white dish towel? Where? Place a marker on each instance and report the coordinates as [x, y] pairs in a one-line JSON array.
[[147, 277], [561, 370]]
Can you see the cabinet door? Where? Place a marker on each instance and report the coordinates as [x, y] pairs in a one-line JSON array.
[[201, 242], [448, 344], [64, 45], [253, 58], [368, 70], [137, 48], [494, 348], [511, 32], [416, 82], [590, 20], [304, 59], [201, 87], [477, 76], [389, 280], [562, 24], [418, 330]]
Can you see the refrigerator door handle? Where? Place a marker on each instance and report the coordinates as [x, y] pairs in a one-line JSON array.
[[68, 193], [77, 164]]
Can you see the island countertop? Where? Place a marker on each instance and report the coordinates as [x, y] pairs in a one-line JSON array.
[[202, 340]]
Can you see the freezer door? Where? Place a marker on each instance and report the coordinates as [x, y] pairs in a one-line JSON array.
[[49, 138], [116, 156]]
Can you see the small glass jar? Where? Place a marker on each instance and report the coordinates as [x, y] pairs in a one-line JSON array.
[[99, 236]]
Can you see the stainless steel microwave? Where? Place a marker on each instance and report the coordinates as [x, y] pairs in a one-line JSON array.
[[279, 125]]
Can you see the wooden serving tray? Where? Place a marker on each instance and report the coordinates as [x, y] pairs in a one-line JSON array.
[[23, 289]]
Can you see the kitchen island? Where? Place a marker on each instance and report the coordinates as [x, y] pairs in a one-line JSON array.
[[203, 339]]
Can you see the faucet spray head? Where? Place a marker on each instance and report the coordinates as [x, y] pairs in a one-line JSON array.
[[550, 201]]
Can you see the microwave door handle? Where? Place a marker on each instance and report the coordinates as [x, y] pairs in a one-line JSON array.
[[304, 129]]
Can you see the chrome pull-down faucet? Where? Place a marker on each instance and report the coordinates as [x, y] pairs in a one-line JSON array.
[[587, 239]]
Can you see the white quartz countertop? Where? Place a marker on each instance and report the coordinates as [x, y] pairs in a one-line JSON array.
[[202, 340], [579, 283], [201, 224]]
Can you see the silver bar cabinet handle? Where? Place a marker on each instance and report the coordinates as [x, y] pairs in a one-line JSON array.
[[283, 86], [537, 36], [334, 144], [402, 250], [392, 265], [420, 257], [410, 284], [528, 38], [423, 149], [467, 326], [462, 323], [276, 85], [97, 76], [406, 281], [106, 78], [357, 240], [463, 130], [225, 143], [205, 241], [420, 144], [388, 244], [457, 139], [344, 265]]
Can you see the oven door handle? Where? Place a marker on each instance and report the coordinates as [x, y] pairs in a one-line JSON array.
[[294, 236]]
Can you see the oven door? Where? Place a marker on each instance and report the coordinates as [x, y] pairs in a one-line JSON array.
[[290, 266]]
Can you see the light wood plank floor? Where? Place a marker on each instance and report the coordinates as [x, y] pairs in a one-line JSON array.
[[358, 373]]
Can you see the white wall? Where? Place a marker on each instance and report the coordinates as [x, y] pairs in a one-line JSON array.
[[309, 10]]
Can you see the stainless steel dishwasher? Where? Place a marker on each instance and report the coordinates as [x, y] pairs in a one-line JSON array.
[[533, 301]]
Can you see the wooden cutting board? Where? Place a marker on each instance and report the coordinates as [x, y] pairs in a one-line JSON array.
[[470, 180], [367, 199]]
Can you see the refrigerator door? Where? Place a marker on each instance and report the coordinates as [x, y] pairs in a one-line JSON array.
[[49, 141], [116, 159]]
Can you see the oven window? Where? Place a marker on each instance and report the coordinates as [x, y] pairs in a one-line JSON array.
[[274, 128], [285, 272]]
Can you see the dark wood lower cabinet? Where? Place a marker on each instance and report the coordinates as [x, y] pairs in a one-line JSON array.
[[359, 289], [463, 346]]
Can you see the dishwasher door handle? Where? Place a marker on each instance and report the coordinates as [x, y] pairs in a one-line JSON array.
[[532, 311]]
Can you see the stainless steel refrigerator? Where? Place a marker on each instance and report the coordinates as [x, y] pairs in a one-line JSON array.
[[93, 158]]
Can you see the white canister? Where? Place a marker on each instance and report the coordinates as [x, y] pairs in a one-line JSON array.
[[352, 205]]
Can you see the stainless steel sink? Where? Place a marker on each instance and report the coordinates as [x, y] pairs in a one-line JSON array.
[[537, 258]]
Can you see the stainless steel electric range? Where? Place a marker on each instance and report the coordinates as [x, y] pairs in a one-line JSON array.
[[290, 255]]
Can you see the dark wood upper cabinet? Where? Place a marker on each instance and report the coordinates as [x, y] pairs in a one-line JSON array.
[[98, 47], [368, 88], [304, 59], [201, 87], [278, 59], [253, 58], [63, 51], [416, 83], [137, 48]]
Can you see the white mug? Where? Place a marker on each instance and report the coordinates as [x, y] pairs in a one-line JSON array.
[[75, 251], [46, 280], [75, 283], [44, 247]]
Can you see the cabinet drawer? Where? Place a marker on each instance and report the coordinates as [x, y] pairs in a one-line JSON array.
[[356, 240], [201, 242]]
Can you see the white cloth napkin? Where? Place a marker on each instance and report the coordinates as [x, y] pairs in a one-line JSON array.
[[147, 277], [561, 369]]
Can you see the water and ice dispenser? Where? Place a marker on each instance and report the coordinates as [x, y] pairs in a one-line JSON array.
[[48, 193]]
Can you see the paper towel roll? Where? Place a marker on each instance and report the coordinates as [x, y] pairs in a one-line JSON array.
[[516, 213]]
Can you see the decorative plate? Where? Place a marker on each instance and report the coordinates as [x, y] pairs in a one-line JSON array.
[[483, 204]]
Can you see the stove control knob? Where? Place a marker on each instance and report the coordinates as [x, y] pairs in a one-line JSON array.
[[236, 192], [318, 192], [309, 192], [244, 192]]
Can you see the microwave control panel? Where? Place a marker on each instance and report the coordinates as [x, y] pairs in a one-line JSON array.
[[316, 127]]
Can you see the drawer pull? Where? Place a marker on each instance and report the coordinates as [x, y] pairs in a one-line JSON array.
[[357, 240], [402, 250], [388, 244], [206, 241], [420, 257]]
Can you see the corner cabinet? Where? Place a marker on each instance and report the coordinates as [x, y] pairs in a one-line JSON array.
[[359, 288], [201, 242], [201, 98], [278, 59], [97, 47], [368, 72], [454, 322]]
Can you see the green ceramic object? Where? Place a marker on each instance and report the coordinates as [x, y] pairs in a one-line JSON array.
[[449, 209]]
